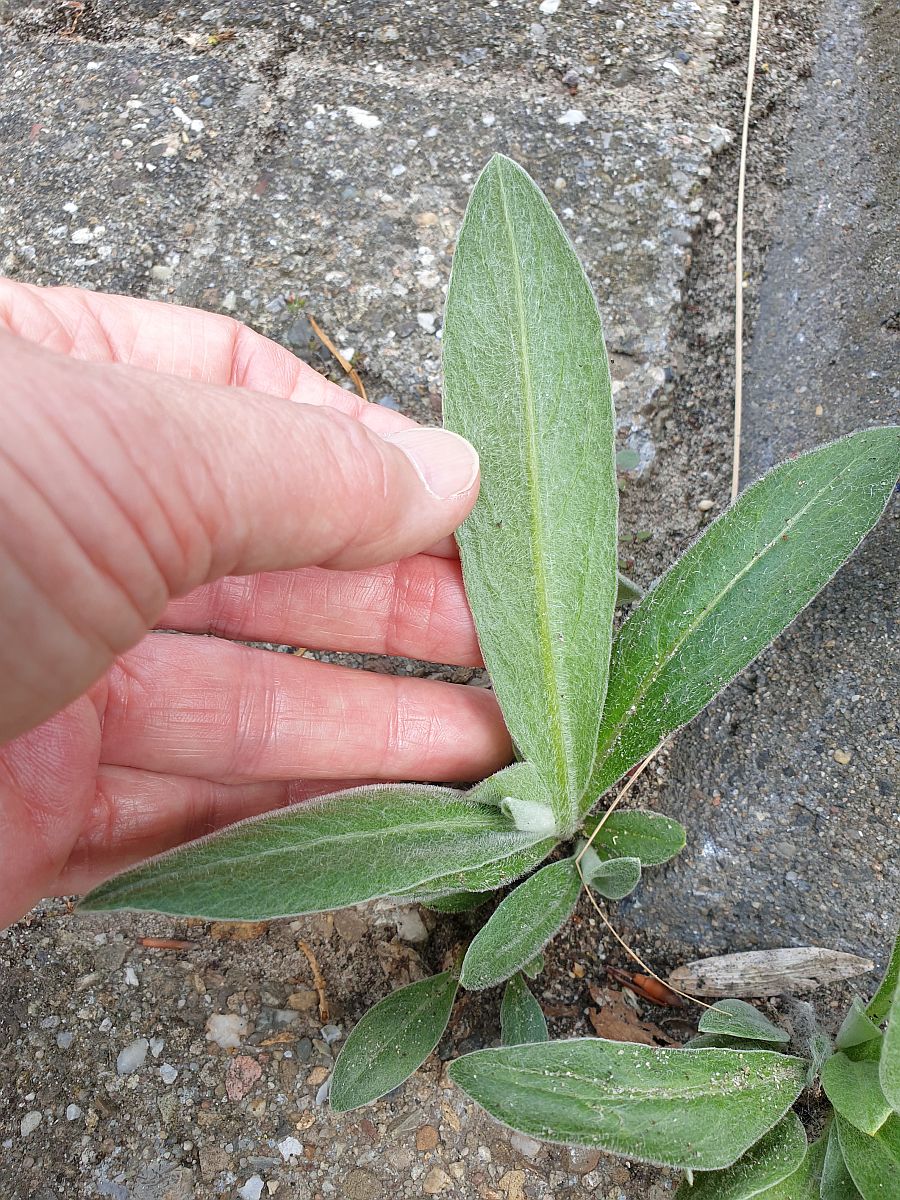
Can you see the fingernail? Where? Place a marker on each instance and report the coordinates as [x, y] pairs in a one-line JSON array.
[[445, 462]]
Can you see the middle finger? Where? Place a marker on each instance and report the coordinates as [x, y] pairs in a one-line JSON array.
[[415, 608]]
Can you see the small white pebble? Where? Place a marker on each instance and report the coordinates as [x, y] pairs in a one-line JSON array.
[[290, 1148], [359, 116], [168, 1072], [131, 1057], [80, 237], [252, 1189], [30, 1123], [156, 1046], [226, 1030], [65, 1039], [131, 977], [571, 117], [548, 7], [73, 1112], [706, 505]]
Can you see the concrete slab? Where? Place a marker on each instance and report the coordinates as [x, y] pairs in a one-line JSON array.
[[106, 157]]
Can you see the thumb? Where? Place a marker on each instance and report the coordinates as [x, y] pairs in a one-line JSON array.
[[121, 488]]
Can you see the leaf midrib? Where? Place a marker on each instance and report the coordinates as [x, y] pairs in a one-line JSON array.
[[548, 662], [610, 742], [337, 839]]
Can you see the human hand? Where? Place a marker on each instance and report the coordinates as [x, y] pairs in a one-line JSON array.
[[158, 472]]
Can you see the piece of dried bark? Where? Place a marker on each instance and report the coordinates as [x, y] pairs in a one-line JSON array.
[[758, 973]]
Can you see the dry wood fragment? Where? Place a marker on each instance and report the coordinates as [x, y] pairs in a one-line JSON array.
[[761, 973], [162, 943], [346, 366], [318, 980]]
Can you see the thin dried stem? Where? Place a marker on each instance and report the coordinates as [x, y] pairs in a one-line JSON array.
[[739, 258], [633, 954]]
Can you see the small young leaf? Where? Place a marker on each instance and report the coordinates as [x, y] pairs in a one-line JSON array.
[[722, 1041], [873, 1162], [695, 1109], [527, 382], [636, 833], [889, 1067], [736, 1018], [778, 1154], [344, 849], [533, 968], [879, 1006], [836, 1181], [735, 589], [854, 1091], [856, 1027], [520, 780], [521, 925], [627, 591], [613, 878], [521, 1019], [392, 1041]]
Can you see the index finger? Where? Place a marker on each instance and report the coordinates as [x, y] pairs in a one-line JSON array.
[[171, 339]]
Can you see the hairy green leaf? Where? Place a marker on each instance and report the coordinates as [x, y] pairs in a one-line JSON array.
[[613, 878], [879, 1006], [737, 1018], [521, 925], [723, 1041], [455, 902], [778, 1154], [873, 1162], [526, 380], [392, 1040], [521, 1018], [836, 1181], [856, 1027], [854, 1091], [696, 1109], [636, 833], [889, 1067], [735, 589], [346, 848], [492, 875]]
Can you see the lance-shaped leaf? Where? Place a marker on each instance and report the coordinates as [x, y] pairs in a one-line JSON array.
[[392, 1041], [521, 925], [873, 1162], [889, 1066], [696, 1109], [879, 1006], [724, 1042], [526, 380], [636, 833], [854, 1091], [737, 1018], [521, 1018], [837, 1183], [491, 876], [735, 589], [778, 1154], [613, 878], [349, 847]]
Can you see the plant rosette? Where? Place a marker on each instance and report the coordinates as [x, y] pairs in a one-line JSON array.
[[526, 380]]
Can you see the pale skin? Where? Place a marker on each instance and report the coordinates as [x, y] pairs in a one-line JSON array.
[[167, 469]]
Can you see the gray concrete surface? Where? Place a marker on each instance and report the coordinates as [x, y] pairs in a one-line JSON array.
[[271, 193], [789, 846]]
